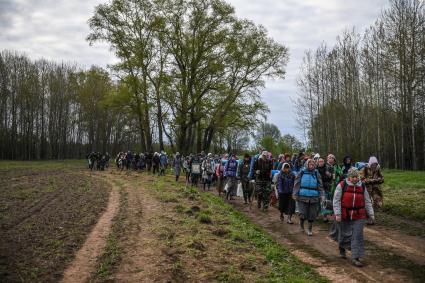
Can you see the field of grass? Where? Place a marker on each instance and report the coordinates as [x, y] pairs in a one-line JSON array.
[[252, 255], [404, 194], [46, 211]]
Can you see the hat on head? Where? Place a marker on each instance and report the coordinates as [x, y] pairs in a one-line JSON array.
[[286, 165], [373, 160], [353, 172]]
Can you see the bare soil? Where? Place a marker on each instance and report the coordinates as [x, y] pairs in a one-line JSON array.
[[45, 216], [85, 260]]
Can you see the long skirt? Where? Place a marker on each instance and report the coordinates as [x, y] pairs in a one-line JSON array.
[[308, 210], [286, 204], [247, 190], [232, 185], [349, 234]]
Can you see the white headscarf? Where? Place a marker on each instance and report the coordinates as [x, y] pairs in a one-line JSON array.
[[373, 160]]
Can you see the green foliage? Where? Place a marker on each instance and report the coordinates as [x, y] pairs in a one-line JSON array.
[[285, 266], [195, 58], [286, 144], [404, 193]]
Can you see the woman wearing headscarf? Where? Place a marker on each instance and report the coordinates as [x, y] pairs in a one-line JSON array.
[[373, 179], [352, 206], [308, 192], [285, 186], [326, 175], [346, 165]]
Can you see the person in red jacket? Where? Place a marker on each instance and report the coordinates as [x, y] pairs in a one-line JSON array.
[[352, 206]]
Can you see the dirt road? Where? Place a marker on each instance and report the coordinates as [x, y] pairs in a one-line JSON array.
[[159, 244]]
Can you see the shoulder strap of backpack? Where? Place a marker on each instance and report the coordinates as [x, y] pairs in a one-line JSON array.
[[344, 186]]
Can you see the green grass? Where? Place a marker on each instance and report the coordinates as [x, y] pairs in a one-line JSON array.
[[236, 232], [285, 267], [404, 193]]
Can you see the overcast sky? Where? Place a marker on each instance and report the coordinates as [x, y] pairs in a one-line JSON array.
[[56, 29]]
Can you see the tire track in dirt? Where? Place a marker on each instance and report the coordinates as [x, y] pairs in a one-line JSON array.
[[143, 260], [411, 247], [322, 252], [85, 259]]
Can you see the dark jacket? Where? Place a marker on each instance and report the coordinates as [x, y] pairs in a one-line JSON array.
[[265, 167], [285, 182], [243, 170]]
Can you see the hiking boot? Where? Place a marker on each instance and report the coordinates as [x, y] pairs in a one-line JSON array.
[[289, 220], [342, 253], [356, 262], [302, 225], [310, 229]]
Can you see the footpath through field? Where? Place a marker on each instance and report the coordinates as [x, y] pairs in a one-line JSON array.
[[391, 256], [166, 232]]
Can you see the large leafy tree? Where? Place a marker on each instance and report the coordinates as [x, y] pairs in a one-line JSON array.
[[192, 64]]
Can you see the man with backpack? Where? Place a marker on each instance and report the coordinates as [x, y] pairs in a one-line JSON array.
[[155, 163], [243, 176], [230, 170], [263, 169], [195, 170], [163, 163], [220, 174], [208, 167], [352, 206]]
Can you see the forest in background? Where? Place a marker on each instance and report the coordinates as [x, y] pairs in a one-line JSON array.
[[366, 94], [188, 79]]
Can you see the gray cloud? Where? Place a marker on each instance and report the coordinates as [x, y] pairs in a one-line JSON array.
[[56, 29]]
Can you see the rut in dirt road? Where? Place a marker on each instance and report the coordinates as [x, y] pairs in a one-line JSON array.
[[141, 261], [322, 252], [85, 260]]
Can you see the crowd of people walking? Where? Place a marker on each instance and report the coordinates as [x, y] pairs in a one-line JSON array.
[[307, 185]]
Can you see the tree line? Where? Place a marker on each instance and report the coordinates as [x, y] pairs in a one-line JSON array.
[[56, 111], [365, 95], [188, 79]]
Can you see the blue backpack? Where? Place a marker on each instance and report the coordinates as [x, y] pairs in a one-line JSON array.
[[360, 165]]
